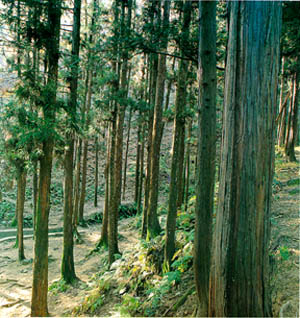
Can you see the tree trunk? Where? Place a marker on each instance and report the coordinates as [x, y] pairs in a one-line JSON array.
[[187, 166], [96, 172], [77, 183], [153, 227], [86, 110], [118, 155], [126, 152], [176, 167], [153, 82], [104, 231], [293, 122], [141, 174], [239, 282], [281, 96], [35, 190], [85, 153], [40, 262], [20, 210], [138, 160], [67, 265], [206, 157]]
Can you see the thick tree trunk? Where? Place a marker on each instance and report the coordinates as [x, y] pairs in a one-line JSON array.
[[176, 167], [206, 156], [239, 282], [20, 210]]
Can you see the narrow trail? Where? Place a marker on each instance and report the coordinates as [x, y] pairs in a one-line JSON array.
[[16, 278]]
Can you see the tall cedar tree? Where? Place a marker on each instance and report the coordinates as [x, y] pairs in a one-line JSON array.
[[155, 17], [206, 151], [153, 227], [67, 266], [239, 282], [178, 134], [118, 153], [40, 263]]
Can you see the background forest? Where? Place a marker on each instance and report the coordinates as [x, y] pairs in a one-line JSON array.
[[149, 158]]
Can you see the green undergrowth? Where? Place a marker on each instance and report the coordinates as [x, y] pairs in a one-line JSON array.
[[137, 282]]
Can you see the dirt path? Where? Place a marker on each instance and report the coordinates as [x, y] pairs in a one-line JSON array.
[[16, 278]]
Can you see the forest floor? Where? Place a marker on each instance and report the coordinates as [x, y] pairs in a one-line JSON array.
[[16, 278]]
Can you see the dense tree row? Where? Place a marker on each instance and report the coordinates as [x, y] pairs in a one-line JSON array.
[[86, 72]]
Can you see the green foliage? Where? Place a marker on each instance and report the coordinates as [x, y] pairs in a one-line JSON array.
[[7, 211], [95, 300], [284, 253], [294, 182], [294, 191], [59, 286], [130, 305]]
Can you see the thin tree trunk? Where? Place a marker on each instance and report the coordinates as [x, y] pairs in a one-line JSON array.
[[138, 161], [153, 81], [96, 172], [20, 210], [118, 155], [77, 184], [176, 167], [104, 231], [67, 265], [293, 132], [35, 191], [126, 152], [187, 166], [153, 227], [85, 150], [40, 262], [141, 174], [281, 95]]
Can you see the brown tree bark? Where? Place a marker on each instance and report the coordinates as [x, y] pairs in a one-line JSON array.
[[126, 154], [187, 165], [77, 184], [104, 230], [96, 172], [40, 262], [153, 80], [153, 227], [118, 155], [239, 282], [293, 122], [20, 210], [67, 265], [176, 167], [206, 152]]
